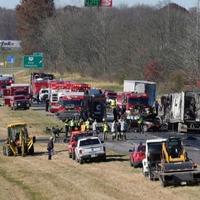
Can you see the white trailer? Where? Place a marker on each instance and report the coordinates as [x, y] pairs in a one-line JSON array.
[[182, 111]]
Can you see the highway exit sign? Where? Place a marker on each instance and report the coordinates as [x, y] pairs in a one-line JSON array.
[[33, 61], [91, 3]]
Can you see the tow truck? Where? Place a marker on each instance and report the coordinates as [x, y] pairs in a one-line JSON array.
[[167, 161]]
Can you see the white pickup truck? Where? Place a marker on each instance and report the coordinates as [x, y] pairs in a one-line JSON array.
[[89, 148]]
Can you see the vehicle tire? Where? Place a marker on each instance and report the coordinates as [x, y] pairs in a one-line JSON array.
[[73, 156], [104, 158], [81, 161], [31, 150], [8, 151], [131, 163], [163, 182], [4, 150], [70, 155], [150, 175]]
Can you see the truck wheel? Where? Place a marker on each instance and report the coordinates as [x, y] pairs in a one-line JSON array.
[[8, 151], [4, 150], [81, 161], [73, 156], [163, 182], [70, 155], [31, 150]]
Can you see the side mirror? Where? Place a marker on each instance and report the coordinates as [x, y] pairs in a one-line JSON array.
[[102, 141], [130, 150]]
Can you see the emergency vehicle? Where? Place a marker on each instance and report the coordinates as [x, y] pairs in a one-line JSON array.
[[131, 100], [17, 96]]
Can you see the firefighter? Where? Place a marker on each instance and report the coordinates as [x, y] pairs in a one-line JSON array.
[[105, 129]]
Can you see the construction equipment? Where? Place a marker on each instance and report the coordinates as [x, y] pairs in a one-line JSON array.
[[174, 167], [18, 142]]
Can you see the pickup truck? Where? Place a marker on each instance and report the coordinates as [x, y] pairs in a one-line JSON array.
[[75, 135], [89, 148]]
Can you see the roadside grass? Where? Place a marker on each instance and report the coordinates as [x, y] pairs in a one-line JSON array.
[[37, 121], [29, 192]]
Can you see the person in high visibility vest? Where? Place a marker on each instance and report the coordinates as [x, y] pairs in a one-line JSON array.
[[83, 127], [71, 124], [87, 125], [141, 124], [113, 103], [105, 130]]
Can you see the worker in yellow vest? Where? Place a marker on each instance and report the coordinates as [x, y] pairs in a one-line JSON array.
[[87, 125], [105, 129]]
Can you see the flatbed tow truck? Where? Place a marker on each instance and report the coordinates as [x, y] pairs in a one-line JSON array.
[[167, 161]]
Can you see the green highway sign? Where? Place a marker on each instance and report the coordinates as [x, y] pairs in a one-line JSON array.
[[33, 61], [91, 3]]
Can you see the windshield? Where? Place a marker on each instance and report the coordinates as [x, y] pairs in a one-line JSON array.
[[89, 142], [155, 148], [138, 101], [71, 103]]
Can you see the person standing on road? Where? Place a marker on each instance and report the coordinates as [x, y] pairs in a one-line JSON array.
[[66, 127], [94, 127], [113, 129], [50, 148], [105, 129], [87, 125], [47, 105], [141, 124], [122, 128]]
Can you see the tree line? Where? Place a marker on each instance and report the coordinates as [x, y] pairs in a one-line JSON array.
[[153, 43]]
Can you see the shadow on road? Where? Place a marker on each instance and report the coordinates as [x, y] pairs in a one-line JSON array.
[[120, 158]]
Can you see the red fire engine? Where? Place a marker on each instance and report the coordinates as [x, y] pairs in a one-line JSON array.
[[130, 100], [17, 96]]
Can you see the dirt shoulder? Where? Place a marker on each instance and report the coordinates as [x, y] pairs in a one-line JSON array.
[[34, 177]]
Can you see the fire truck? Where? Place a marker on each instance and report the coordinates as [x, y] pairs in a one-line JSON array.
[[17, 96], [39, 81], [82, 104], [131, 100], [59, 89], [5, 80]]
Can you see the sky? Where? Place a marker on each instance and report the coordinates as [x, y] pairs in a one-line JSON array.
[[60, 3]]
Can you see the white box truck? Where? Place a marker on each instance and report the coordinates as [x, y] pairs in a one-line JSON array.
[[140, 86]]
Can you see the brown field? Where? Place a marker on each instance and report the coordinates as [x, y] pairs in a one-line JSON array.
[[34, 177]]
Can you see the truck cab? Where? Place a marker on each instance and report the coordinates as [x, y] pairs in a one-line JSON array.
[[131, 100]]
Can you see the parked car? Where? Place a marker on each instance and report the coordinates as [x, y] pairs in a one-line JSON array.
[[89, 148], [137, 154]]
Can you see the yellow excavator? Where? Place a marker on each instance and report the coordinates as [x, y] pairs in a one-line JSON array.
[[18, 141]]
